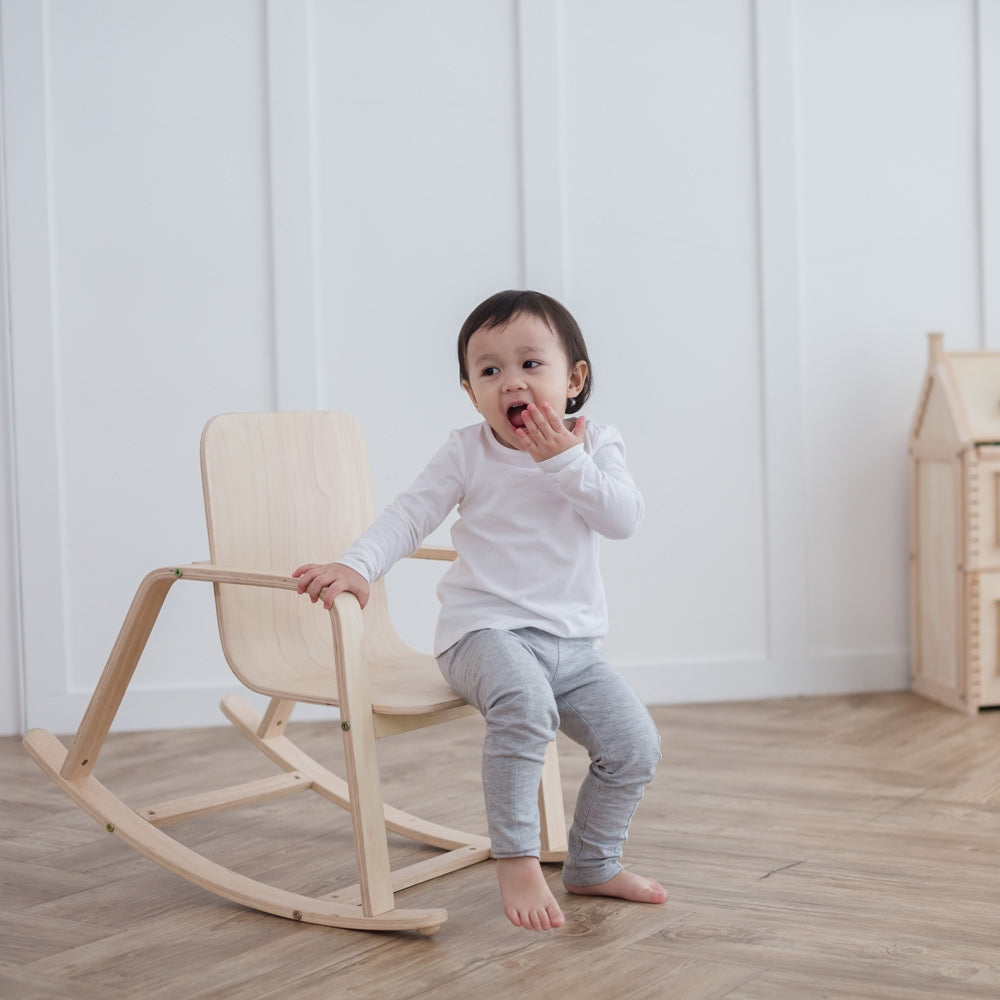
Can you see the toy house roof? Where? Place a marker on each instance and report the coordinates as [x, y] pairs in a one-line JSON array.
[[960, 397]]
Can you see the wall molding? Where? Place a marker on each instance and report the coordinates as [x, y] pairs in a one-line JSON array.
[[12, 704], [159, 707], [291, 109], [987, 57], [542, 111], [683, 682], [775, 94], [34, 361]]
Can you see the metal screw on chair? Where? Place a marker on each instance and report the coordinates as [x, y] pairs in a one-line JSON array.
[[345, 726]]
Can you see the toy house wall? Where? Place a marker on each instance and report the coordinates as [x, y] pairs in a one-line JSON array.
[[754, 209]]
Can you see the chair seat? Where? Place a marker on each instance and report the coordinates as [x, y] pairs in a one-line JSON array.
[[413, 687]]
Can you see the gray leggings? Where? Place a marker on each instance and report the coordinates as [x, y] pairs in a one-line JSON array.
[[527, 684]]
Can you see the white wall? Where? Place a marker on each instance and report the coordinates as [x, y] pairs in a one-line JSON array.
[[755, 210], [11, 699]]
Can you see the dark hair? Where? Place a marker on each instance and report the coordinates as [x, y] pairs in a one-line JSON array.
[[504, 306]]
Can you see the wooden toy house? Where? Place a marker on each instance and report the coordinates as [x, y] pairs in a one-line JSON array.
[[955, 530]]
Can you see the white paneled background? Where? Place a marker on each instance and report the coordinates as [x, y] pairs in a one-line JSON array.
[[755, 208]]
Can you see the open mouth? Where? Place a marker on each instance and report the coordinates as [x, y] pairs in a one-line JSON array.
[[515, 414]]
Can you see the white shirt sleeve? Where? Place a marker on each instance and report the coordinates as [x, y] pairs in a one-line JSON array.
[[597, 484], [399, 531]]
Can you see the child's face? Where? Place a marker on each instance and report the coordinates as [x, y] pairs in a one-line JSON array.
[[519, 363]]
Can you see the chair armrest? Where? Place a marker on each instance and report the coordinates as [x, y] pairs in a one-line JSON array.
[[211, 573], [345, 604], [345, 617], [435, 552]]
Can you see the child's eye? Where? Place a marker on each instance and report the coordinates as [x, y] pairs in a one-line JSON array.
[[492, 370], [531, 364]]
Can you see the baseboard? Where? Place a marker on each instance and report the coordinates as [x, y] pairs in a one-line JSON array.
[[835, 672], [667, 682]]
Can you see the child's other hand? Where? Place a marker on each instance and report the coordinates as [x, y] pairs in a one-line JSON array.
[[545, 433], [329, 580]]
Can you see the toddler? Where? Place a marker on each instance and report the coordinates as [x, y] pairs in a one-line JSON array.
[[523, 605]]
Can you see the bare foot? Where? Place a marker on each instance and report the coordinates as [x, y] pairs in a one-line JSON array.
[[527, 899], [624, 885]]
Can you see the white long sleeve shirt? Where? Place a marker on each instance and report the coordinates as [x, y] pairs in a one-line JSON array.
[[526, 535]]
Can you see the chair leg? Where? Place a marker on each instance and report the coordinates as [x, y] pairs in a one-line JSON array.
[[460, 849], [368, 818], [276, 718], [332, 787], [363, 781], [551, 810], [117, 673]]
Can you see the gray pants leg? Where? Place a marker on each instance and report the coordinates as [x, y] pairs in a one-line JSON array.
[[527, 684]]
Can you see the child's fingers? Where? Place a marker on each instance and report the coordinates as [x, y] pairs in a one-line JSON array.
[[534, 418], [550, 417], [544, 421], [311, 581]]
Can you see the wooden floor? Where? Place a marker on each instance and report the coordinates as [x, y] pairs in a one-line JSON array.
[[815, 847]]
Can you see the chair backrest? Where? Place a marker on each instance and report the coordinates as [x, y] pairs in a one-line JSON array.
[[283, 489]]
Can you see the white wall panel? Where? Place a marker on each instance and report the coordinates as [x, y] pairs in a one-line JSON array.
[[147, 174], [890, 245], [419, 208], [159, 213], [663, 276]]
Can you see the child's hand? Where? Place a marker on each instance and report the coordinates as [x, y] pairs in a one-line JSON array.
[[335, 578], [545, 433]]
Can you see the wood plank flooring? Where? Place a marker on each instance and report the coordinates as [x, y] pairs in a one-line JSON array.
[[838, 847]]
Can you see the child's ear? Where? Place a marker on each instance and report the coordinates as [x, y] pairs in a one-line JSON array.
[[577, 379], [472, 395]]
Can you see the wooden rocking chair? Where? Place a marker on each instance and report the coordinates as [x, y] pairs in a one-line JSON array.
[[281, 489]]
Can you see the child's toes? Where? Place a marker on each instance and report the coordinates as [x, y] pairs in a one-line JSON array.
[[655, 892]]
